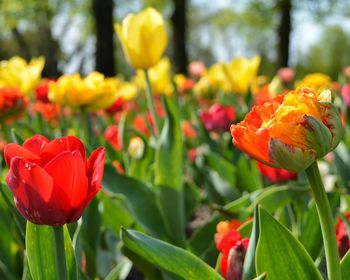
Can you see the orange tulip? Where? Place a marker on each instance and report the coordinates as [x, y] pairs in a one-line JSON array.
[[291, 131]]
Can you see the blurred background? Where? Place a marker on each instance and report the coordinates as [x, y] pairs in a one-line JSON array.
[[78, 35]]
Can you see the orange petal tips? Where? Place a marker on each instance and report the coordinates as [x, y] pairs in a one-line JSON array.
[[291, 131]]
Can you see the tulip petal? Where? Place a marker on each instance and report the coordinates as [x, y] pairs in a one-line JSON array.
[[290, 157], [333, 122], [317, 135], [69, 174], [59, 145], [95, 167], [35, 144], [14, 150], [77, 212], [35, 195]]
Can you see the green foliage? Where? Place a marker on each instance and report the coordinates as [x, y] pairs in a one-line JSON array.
[[168, 257], [293, 262], [41, 256]]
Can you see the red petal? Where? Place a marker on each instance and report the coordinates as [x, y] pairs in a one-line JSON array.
[[77, 212], [95, 167], [14, 150], [35, 144], [34, 194], [59, 145], [68, 173], [223, 264]]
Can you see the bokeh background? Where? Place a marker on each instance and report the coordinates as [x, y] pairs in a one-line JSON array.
[[78, 35]]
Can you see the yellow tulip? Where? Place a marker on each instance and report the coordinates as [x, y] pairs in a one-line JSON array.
[[92, 93], [317, 81], [217, 77], [143, 38], [214, 80], [159, 76], [16, 72], [241, 72], [127, 91]]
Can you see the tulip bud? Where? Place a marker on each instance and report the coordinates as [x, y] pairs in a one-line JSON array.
[[136, 147]]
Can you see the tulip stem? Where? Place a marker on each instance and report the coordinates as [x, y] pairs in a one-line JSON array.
[[60, 255], [4, 131], [326, 221], [150, 101]]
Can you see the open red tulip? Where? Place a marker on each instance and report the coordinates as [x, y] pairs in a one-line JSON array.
[[53, 181]]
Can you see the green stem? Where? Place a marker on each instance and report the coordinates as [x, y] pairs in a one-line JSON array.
[[4, 132], [61, 268], [151, 106], [84, 126], [326, 221]]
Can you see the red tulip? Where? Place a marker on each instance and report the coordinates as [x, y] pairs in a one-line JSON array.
[[342, 236], [53, 181], [233, 249], [42, 90], [275, 175], [218, 118], [112, 137]]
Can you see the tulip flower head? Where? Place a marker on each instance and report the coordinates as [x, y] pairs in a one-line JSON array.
[[342, 236], [218, 118], [53, 181], [286, 74], [233, 249], [143, 38], [275, 175], [317, 81], [16, 72], [111, 135], [291, 131], [241, 72], [12, 103], [91, 93], [159, 76]]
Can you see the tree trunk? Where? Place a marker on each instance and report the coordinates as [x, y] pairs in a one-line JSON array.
[[179, 23], [21, 43], [51, 51], [104, 57], [284, 31]]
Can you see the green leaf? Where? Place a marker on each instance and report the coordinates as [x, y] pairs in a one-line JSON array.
[[172, 207], [248, 177], [192, 196], [41, 255], [271, 198], [311, 236], [345, 266], [342, 163], [139, 195], [168, 257], [169, 174], [90, 233], [169, 153], [202, 241], [249, 260], [280, 253], [111, 206], [275, 197], [222, 166]]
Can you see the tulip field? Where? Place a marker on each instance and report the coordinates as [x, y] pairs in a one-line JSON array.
[[222, 173]]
